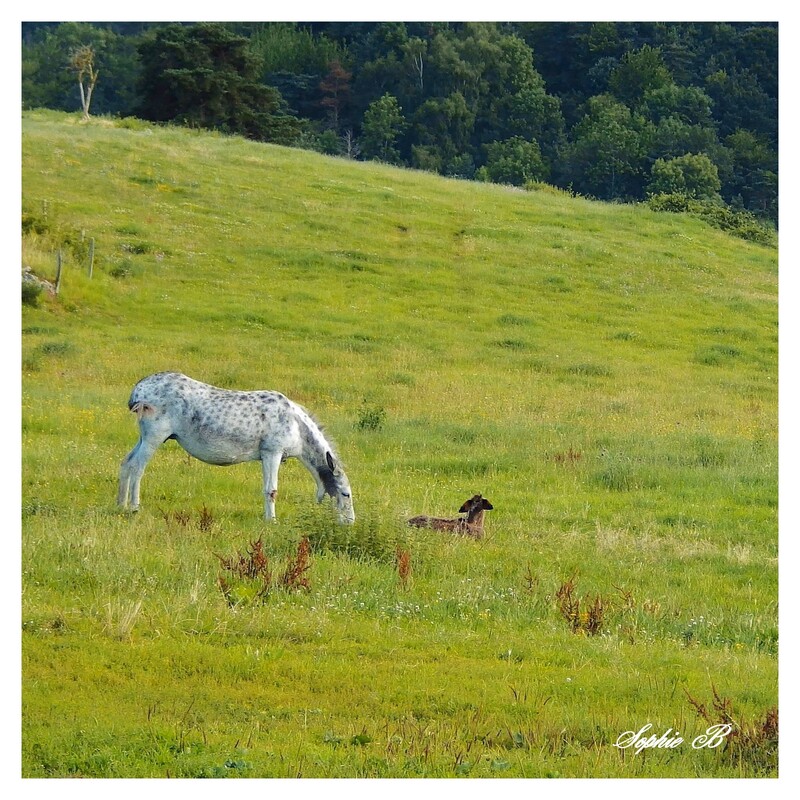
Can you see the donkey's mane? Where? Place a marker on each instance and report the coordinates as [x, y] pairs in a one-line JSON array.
[[316, 427]]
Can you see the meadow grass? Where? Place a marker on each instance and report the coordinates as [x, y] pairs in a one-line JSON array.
[[605, 375]]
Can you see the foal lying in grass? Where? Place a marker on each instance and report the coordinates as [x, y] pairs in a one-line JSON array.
[[471, 525]]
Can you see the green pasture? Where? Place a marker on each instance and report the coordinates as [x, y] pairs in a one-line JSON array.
[[605, 375]]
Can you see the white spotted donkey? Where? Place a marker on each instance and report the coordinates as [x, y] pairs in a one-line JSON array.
[[225, 427]]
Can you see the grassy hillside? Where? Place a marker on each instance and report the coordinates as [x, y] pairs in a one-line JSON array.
[[605, 375]]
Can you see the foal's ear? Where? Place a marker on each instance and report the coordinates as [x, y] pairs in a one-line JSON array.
[[329, 459]]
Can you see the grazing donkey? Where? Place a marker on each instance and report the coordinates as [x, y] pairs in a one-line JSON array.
[[474, 508], [224, 427]]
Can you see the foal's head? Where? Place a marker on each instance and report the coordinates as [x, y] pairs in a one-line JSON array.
[[474, 506]]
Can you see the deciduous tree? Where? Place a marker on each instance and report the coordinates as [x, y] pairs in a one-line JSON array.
[[384, 123], [639, 71], [82, 62], [694, 176], [514, 161], [606, 156]]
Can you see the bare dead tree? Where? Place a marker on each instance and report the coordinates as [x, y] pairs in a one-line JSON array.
[[419, 67], [415, 50], [351, 148]]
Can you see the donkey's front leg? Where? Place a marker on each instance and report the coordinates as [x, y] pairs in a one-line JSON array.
[[270, 463], [131, 471]]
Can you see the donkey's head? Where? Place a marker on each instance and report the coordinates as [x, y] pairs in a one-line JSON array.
[[336, 485]]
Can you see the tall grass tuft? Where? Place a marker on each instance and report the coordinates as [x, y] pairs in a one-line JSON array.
[[247, 577], [752, 743], [120, 617], [589, 621], [403, 563]]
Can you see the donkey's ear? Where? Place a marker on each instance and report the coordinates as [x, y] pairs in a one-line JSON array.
[[329, 459]]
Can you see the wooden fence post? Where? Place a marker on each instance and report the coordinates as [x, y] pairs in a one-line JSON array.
[[91, 256], [58, 271]]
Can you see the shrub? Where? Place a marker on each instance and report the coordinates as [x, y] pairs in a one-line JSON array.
[[694, 176], [326, 142], [31, 292], [54, 235], [121, 269], [134, 124], [739, 223], [371, 418], [547, 188], [515, 161], [366, 539]]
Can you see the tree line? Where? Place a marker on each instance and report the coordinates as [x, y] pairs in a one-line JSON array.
[[615, 111]]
